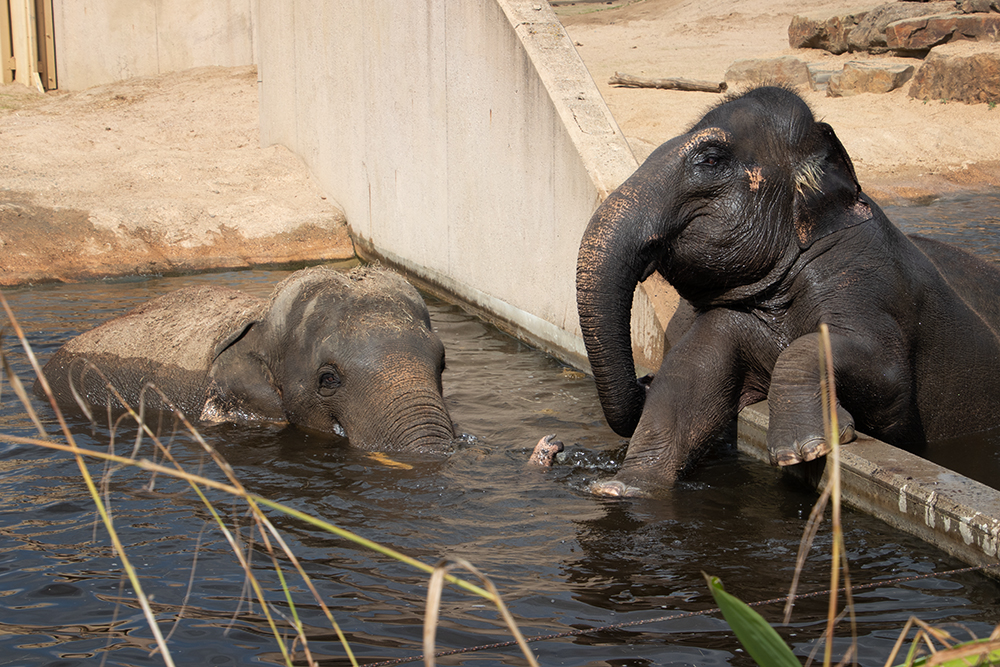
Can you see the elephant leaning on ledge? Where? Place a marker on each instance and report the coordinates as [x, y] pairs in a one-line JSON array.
[[755, 216], [333, 352]]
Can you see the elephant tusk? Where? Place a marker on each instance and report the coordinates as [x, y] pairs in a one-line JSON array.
[[386, 461]]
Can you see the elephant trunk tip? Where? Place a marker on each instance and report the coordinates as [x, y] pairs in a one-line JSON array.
[[546, 450], [613, 488]]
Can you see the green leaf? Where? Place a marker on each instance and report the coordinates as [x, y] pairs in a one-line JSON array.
[[758, 638], [976, 652]]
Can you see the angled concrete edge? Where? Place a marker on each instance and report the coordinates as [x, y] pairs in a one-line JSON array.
[[573, 93], [954, 513], [609, 160]]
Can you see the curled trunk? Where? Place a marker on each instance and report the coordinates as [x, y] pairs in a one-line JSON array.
[[609, 266]]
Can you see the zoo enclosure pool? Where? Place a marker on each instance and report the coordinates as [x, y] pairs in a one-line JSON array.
[[563, 560]]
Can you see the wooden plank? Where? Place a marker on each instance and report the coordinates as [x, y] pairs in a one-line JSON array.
[[6, 48], [46, 44], [22, 32]]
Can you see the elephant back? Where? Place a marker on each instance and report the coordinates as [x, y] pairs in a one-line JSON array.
[[170, 341]]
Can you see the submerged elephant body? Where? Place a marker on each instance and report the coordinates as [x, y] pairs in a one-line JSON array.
[[331, 352], [755, 216]]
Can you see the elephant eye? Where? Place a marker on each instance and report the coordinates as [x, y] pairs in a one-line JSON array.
[[329, 381], [712, 156], [710, 159]]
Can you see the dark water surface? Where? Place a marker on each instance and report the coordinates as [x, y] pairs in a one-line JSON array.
[[563, 560]]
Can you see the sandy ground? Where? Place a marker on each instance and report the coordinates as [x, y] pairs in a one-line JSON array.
[[153, 175], [166, 174], [901, 147]]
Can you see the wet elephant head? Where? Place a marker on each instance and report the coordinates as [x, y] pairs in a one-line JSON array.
[[350, 353]]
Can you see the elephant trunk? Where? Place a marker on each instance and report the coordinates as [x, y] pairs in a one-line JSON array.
[[610, 264], [414, 419]]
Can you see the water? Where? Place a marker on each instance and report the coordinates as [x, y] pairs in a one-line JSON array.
[[562, 559], [972, 222]]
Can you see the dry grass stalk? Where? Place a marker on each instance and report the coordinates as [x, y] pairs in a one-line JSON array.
[[434, 590]]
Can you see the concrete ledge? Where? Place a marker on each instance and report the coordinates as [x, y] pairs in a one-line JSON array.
[[956, 514]]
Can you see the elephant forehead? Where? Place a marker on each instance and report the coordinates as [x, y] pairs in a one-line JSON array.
[[402, 364], [383, 321]]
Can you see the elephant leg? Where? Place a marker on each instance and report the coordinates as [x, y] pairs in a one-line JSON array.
[[796, 431], [692, 398]]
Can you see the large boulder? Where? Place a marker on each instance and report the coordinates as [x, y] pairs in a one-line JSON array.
[[830, 33], [868, 77], [926, 32], [965, 71], [869, 34]]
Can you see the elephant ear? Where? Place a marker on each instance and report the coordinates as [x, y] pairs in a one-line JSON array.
[[241, 384], [238, 327], [231, 338], [828, 197]]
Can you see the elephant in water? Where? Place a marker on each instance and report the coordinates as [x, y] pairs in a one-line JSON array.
[[347, 353], [756, 218]]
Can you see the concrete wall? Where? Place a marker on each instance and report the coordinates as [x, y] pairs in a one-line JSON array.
[[465, 141], [101, 41]]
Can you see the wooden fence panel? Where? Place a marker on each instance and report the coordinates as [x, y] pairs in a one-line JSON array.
[[6, 46]]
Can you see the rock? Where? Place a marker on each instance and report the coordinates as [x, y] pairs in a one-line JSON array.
[[868, 77], [787, 69], [827, 32], [869, 34], [820, 73], [963, 71], [973, 6], [921, 34]]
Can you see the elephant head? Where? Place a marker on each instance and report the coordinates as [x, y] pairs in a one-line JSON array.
[[352, 354], [722, 212]]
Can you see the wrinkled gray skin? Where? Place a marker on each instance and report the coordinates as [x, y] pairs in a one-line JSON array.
[[755, 216], [329, 352]]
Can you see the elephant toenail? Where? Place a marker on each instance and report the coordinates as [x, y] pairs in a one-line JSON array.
[[786, 457], [813, 448]]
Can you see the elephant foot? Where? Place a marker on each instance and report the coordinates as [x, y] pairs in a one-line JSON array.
[[613, 488], [809, 448], [545, 451]]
